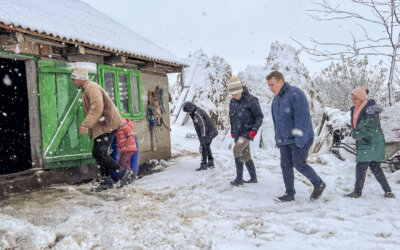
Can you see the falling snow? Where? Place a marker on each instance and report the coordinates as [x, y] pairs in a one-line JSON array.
[[7, 80]]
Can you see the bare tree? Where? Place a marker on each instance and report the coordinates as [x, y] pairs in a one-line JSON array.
[[336, 81], [384, 13]]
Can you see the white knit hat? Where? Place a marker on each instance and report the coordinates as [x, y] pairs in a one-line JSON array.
[[80, 74], [235, 87]]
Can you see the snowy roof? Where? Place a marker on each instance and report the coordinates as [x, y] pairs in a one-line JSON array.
[[79, 22]]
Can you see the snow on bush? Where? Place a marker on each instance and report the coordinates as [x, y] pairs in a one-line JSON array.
[[336, 81]]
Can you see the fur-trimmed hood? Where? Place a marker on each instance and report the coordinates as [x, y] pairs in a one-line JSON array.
[[369, 109]]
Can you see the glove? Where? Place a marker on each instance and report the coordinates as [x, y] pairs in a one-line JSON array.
[[233, 136], [252, 134]]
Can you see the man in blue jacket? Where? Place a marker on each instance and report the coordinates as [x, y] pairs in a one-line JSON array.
[[294, 134], [246, 118]]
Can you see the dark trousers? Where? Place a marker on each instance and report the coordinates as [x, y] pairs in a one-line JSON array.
[[206, 153], [100, 153], [361, 171], [295, 157]]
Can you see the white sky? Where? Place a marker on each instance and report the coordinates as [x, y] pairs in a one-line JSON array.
[[240, 31]]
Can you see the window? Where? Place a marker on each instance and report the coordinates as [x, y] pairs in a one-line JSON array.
[[124, 86]]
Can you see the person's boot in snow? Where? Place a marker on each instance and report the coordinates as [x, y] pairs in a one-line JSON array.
[[252, 172], [210, 163], [239, 172], [318, 190], [389, 195], [286, 197], [353, 194], [203, 166], [105, 183], [126, 179]]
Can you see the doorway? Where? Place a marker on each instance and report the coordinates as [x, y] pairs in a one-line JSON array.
[[15, 151]]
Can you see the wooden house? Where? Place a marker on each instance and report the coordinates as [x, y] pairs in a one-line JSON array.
[[41, 41]]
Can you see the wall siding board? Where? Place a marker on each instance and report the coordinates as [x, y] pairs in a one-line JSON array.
[[48, 107]]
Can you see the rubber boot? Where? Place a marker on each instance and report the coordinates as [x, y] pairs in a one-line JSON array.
[[210, 163], [126, 179], [239, 172], [105, 183], [252, 172], [203, 166]]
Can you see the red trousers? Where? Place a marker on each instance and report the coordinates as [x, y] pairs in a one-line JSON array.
[[125, 160]]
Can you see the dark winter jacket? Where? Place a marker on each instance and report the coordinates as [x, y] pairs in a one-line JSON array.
[[291, 116], [370, 141], [205, 128], [245, 115]]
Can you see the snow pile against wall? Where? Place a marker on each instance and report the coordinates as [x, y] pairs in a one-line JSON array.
[[77, 21], [206, 85]]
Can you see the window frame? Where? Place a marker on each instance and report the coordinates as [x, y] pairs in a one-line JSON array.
[[129, 73]]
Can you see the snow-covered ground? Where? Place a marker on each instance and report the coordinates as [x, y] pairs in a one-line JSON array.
[[180, 208]]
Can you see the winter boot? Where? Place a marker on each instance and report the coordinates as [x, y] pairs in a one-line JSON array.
[[286, 197], [203, 166], [126, 179], [252, 172], [105, 183], [210, 163], [318, 191], [353, 194], [389, 195], [239, 172]]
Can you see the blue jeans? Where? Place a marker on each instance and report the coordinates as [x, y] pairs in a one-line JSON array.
[[295, 157]]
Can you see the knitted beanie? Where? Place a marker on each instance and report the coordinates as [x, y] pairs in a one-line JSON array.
[[235, 87], [80, 74]]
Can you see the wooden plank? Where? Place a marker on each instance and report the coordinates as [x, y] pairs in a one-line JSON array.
[[69, 51], [115, 60], [45, 50], [12, 38], [60, 158], [73, 132], [34, 121], [48, 107], [86, 58], [85, 143], [63, 128], [25, 48], [64, 100]]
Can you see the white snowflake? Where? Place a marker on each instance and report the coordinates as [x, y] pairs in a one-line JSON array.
[[297, 132], [7, 80]]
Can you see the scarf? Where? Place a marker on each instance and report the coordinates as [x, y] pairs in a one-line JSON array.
[[361, 93]]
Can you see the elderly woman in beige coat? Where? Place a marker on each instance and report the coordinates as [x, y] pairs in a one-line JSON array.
[[102, 120]]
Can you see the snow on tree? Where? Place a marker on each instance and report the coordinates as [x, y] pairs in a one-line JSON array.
[[382, 14], [284, 58], [206, 84], [336, 82]]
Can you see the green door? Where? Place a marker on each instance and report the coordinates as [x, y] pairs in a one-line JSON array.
[[61, 114]]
